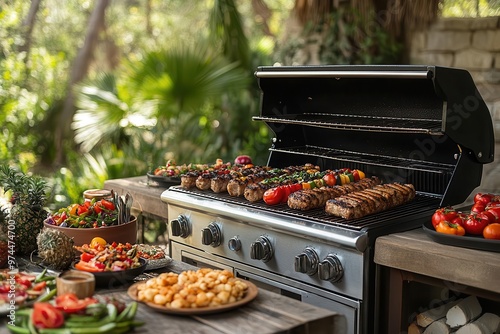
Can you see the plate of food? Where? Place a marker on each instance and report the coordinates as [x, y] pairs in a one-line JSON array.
[[164, 181], [111, 264], [23, 288], [207, 292], [155, 255]]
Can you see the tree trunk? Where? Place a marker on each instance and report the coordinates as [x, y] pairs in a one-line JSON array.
[[28, 25], [79, 71]]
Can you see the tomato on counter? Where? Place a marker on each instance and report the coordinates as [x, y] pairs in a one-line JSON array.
[[443, 214], [476, 223], [492, 231]]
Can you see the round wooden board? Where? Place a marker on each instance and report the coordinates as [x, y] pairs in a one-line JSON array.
[[250, 295]]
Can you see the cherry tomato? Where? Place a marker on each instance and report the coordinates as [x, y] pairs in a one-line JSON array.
[[476, 223], [86, 257], [483, 198], [492, 231], [82, 209], [478, 207], [329, 179], [47, 316], [273, 196], [108, 205], [459, 219], [495, 211], [97, 207], [446, 214]]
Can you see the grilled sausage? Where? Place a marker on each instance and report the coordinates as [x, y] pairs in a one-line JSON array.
[[308, 199], [369, 201]]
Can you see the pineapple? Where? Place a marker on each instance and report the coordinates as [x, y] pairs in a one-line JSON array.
[[27, 210], [55, 248]]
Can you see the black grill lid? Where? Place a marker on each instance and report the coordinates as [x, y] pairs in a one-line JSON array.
[[429, 122]]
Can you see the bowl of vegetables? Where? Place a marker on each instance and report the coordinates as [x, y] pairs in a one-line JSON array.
[[97, 218]]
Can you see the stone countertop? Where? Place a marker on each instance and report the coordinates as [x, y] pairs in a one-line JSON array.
[[415, 252]]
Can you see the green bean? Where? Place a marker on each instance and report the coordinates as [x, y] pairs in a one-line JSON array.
[[112, 311], [18, 329], [83, 318], [41, 275], [54, 331], [128, 313], [92, 330], [31, 326], [48, 296], [78, 324]]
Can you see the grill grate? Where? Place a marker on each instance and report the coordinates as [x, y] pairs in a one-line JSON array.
[[422, 204]]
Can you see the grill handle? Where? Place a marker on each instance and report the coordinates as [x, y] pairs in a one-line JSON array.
[[346, 74]]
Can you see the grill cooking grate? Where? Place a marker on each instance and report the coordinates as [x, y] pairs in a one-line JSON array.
[[421, 205]]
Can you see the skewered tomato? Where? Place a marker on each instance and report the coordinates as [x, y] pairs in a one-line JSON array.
[[329, 179], [492, 231], [273, 196]]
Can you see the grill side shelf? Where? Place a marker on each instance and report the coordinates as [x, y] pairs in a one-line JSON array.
[[356, 122]]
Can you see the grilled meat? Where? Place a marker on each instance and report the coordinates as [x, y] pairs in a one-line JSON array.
[[255, 191], [308, 199], [203, 181], [219, 183], [365, 202], [188, 180]]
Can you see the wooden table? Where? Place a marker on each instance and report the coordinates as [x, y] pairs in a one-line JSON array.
[[413, 256], [267, 313]]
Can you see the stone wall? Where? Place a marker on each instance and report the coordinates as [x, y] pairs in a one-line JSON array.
[[469, 43]]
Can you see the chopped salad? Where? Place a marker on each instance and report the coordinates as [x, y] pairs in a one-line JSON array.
[[109, 257]]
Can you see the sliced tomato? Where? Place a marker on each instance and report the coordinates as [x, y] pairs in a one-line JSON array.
[[295, 187], [273, 196], [82, 209], [39, 286], [287, 190], [70, 303], [47, 316], [85, 266]]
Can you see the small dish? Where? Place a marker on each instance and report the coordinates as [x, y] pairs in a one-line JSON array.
[[81, 283]]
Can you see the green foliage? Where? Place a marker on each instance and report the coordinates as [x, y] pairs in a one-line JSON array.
[[467, 8]]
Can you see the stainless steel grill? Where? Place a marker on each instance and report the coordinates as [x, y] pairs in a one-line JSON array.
[[423, 125]]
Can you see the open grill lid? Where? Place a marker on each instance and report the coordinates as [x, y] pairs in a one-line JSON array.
[[424, 125]]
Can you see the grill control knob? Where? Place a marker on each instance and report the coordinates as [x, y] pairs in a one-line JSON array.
[[211, 235], [261, 249], [330, 269], [180, 227], [234, 244], [307, 262]]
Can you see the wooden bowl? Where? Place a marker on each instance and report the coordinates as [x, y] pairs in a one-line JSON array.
[[119, 233], [78, 282]]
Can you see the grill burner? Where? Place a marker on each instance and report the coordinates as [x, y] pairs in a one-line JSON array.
[[421, 204]]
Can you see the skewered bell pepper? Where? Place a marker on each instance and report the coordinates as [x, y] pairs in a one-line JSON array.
[[447, 227]]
